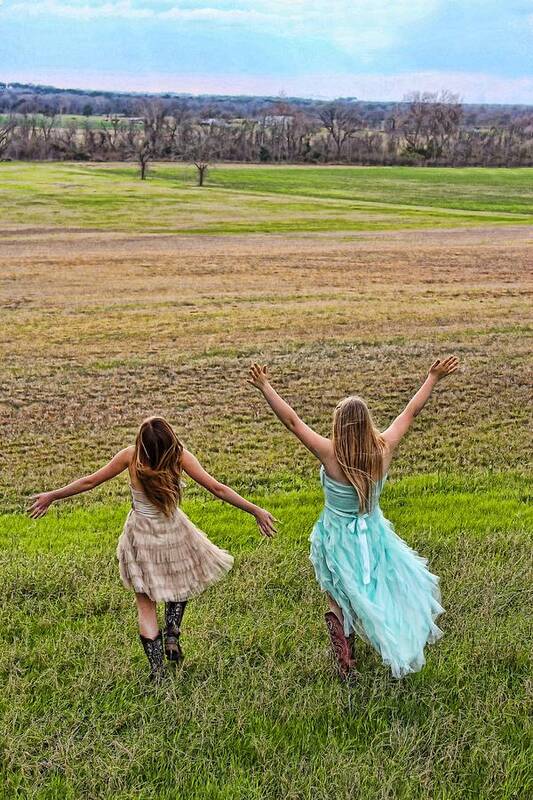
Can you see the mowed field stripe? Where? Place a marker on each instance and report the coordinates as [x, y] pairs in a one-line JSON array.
[[111, 197]]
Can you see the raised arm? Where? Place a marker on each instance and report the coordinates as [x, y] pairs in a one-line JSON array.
[[317, 444], [194, 470], [397, 430], [119, 462]]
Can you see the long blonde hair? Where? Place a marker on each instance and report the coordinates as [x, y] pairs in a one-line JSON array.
[[157, 463], [358, 448]]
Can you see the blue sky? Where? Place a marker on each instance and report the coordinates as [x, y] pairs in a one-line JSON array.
[[482, 49]]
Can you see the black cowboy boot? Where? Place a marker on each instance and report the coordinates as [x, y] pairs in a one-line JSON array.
[[174, 612], [340, 646], [154, 653]]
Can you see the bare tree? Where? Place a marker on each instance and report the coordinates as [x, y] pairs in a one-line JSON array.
[[6, 131], [430, 123], [46, 124], [341, 122], [302, 131], [112, 133], [178, 125], [154, 113], [68, 139], [144, 153], [202, 167], [200, 151]]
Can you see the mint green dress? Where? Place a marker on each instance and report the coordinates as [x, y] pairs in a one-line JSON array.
[[384, 588]]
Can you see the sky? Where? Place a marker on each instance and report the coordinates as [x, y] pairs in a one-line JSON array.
[[374, 50]]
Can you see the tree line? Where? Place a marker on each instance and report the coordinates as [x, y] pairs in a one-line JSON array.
[[426, 129], [33, 99]]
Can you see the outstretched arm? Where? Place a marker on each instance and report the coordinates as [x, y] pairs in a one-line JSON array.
[[120, 462], [194, 470], [317, 444], [397, 430]]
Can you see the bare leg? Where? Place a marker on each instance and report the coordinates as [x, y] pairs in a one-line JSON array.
[[147, 616]]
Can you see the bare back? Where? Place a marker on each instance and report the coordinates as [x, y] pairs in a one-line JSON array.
[[134, 481], [330, 463]]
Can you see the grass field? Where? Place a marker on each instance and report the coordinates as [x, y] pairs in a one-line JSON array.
[[253, 199], [105, 316], [66, 120]]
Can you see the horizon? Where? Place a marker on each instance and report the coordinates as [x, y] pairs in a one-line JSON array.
[[258, 48]]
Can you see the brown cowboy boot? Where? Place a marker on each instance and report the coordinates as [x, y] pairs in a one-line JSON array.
[[339, 646]]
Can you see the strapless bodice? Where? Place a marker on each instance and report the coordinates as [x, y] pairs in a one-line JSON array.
[[341, 497], [142, 505]]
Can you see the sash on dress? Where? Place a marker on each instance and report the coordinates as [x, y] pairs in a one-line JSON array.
[[358, 526]]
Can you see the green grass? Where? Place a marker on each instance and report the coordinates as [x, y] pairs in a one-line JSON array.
[[473, 189], [256, 713], [65, 120], [252, 199]]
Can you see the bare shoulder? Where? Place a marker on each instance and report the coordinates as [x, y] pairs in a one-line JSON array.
[[327, 448], [125, 456], [388, 451], [330, 463], [190, 463], [187, 457], [127, 453], [387, 438]]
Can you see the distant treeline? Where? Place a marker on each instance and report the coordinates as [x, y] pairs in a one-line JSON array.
[[40, 122]]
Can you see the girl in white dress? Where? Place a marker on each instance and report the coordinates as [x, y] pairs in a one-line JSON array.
[[163, 556]]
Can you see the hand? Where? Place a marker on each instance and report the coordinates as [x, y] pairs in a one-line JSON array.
[[41, 504], [439, 369], [265, 522], [258, 376]]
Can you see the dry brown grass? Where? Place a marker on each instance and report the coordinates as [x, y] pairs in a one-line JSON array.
[[100, 329]]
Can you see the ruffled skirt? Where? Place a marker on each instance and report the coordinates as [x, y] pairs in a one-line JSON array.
[[168, 558], [384, 588]]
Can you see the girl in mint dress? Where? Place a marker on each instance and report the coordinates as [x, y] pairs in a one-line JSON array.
[[377, 586]]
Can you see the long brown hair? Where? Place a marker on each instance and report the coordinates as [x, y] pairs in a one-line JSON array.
[[358, 448], [157, 463]]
